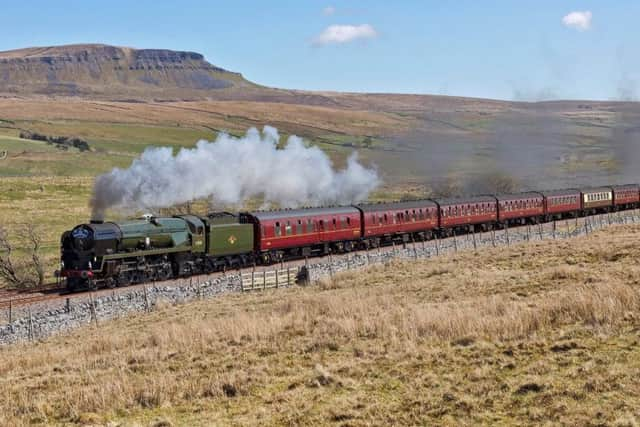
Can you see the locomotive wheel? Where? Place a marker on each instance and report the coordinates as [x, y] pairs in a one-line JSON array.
[[110, 283], [165, 272]]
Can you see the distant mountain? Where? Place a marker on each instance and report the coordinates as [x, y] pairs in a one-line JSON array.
[[102, 71]]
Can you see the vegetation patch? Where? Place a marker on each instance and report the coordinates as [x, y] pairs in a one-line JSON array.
[[62, 142]]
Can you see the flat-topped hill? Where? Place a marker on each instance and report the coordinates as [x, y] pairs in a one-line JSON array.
[[97, 70]]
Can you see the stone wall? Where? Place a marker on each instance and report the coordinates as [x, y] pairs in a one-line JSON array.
[[45, 319]]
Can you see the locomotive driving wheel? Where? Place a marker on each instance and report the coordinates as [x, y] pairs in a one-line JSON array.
[[164, 272]]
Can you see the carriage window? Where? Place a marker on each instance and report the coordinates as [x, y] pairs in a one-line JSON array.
[[299, 227], [309, 226], [288, 228], [277, 229], [420, 214], [334, 223], [386, 219], [343, 222], [321, 224], [263, 231]]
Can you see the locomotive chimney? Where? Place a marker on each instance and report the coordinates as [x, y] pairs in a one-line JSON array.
[[96, 221]]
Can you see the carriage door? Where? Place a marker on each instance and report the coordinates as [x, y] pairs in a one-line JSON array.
[[322, 228]]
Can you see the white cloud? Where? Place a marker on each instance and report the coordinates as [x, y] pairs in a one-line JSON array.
[[328, 11], [340, 34], [579, 20]]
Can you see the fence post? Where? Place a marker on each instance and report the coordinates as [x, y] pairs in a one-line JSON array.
[[437, 245], [30, 325], [540, 230], [146, 299], [506, 232], [288, 276], [10, 312], [553, 230], [528, 232], [264, 280], [473, 233], [493, 237], [455, 240], [415, 252], [92, 307], [277, 274]]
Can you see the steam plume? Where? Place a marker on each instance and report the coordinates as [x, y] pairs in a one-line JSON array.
[[231, 170]]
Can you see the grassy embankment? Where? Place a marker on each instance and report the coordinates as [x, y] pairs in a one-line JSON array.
[[533, 334]]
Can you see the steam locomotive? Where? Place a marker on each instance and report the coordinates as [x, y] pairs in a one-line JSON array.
[[110, 254]]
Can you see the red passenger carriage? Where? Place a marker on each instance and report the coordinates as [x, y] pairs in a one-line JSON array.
[[561, 203], [626, 196], [388, 221], [467, 213], [302, 232], [520, 208]]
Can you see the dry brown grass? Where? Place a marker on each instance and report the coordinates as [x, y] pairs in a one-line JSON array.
[[230, 115], [535, 334]]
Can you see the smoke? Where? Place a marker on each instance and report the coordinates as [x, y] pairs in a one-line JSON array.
[[627, 89], [230, 171]]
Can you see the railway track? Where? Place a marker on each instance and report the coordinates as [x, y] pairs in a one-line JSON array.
[[19, 298]]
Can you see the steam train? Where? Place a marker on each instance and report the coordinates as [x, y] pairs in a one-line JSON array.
[[110, 254]]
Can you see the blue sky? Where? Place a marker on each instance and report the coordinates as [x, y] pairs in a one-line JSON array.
[[493, 49]]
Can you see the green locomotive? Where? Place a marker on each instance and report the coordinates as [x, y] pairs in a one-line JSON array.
[[110, 254]]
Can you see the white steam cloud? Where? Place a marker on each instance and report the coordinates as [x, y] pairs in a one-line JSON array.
[[579, 20], [341, 34], [230, 171]]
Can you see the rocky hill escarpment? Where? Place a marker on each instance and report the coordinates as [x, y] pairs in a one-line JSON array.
[[113, 72]]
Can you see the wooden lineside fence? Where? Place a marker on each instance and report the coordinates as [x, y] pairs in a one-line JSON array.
[[260, 280]]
